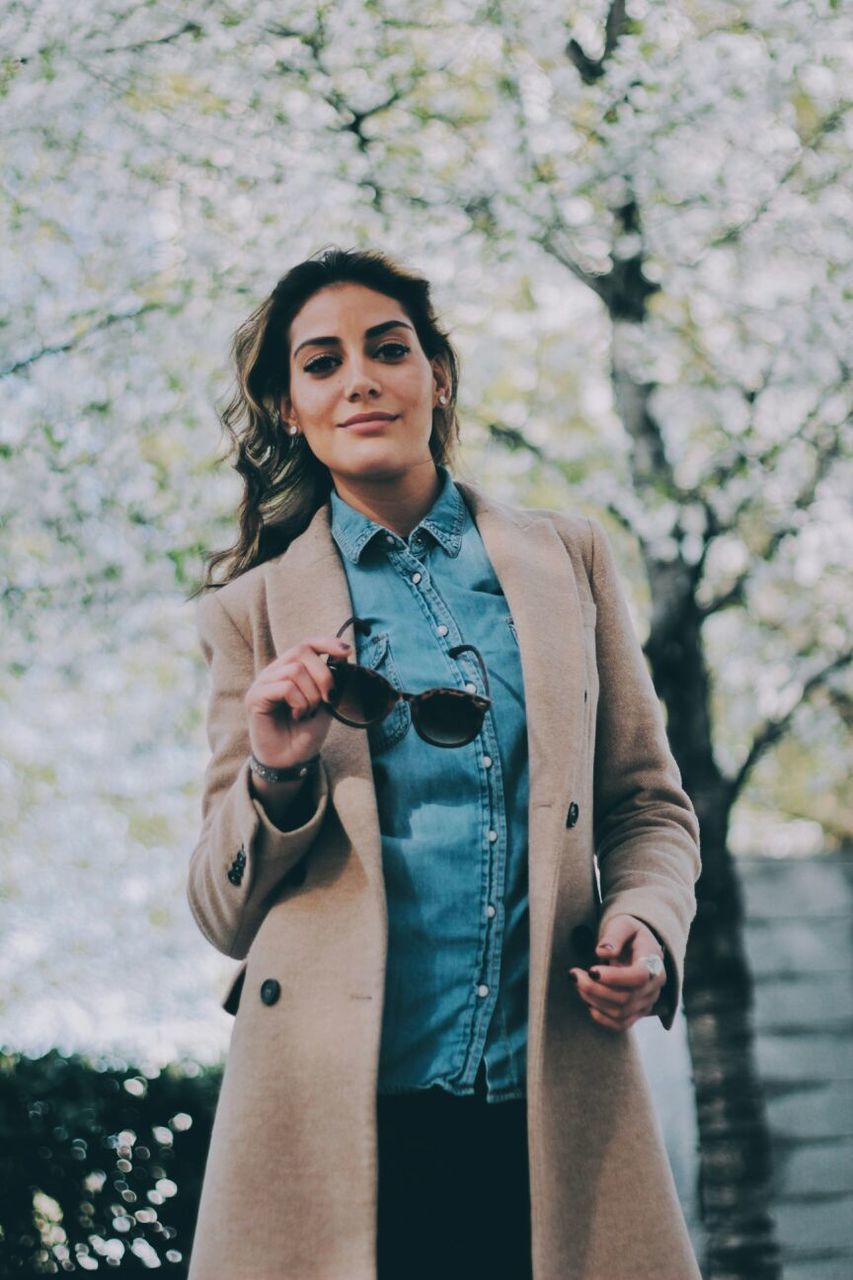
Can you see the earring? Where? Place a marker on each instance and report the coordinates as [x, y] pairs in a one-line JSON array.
[[443, 399], [293, 430]]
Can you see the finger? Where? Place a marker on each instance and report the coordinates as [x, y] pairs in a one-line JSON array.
[[300, 653], [622, 977], [616, 936], [593, 994], [320, 673], [304, 681], [277, 693], [300, 676], [619, 1009], [324, 645], [612, 1024]]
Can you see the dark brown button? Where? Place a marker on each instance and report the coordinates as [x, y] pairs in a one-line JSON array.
[[235, 876], [573, 815], [270, 990]]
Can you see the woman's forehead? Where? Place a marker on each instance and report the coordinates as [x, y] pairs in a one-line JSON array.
[[344, 309]]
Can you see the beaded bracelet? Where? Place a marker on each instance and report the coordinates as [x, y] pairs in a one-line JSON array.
[[292, 774]]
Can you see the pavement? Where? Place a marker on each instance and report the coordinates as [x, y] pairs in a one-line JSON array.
[[799, 939]]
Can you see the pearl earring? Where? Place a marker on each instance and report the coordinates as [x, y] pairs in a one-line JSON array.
[[293, 430], [443, 398]]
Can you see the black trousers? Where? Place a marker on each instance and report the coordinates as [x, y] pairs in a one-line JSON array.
[[454, 1199]]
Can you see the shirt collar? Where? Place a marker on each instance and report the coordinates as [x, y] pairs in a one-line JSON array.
[[444, 521]]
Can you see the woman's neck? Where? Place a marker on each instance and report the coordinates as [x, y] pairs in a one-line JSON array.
[[398, 503]]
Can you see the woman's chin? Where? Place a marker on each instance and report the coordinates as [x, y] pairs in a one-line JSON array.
[[376, 463]]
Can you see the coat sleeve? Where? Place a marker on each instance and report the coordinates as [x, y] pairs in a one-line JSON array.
[[646, 833], [240, 858]]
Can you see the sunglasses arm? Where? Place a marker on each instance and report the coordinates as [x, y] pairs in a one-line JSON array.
[[469, 648]]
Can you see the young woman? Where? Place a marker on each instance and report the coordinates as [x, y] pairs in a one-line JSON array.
[[429, 713]]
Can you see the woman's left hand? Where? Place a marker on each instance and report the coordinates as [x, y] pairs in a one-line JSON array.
[[619, 989]]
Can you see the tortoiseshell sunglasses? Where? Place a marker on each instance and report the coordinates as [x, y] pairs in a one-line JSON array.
[[442, 717]]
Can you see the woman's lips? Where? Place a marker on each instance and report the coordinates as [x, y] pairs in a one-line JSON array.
[[366, 422]]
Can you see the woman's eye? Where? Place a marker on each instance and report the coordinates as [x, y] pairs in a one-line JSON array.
[[393, 350], [320, 364]]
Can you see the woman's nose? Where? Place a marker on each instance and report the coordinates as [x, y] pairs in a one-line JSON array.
[[360, 382]]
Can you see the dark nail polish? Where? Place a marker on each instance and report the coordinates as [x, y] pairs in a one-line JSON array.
[[594, 973]]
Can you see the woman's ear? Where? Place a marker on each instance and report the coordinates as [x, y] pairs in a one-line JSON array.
[[287, 415], [441, 385]]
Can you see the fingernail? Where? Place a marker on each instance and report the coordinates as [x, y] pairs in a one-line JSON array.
[[346, 644], [605, 946], [574, 977], [594, 973]]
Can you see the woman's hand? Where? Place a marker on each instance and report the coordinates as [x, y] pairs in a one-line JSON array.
[[287, 720], [619, 989]]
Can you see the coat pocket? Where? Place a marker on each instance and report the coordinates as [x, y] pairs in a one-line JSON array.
[[378, 657]]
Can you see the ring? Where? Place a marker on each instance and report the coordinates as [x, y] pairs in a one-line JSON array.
[[654, 964]]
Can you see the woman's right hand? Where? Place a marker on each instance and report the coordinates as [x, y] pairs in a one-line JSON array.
[[288, 722]]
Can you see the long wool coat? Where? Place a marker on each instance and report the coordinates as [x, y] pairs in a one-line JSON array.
[[290, 1183]]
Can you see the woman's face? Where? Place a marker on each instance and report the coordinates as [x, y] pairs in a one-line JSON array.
[[361, 388]]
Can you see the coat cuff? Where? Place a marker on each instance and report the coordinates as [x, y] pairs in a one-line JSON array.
[[667, 929]]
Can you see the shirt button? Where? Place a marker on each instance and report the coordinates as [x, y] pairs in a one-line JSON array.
[[416, 577], [493, 835], [470, 688], [491, 911], [487, 761], [442, 630], [482, 991]]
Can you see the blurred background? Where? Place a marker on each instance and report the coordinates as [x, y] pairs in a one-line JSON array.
[[637, 220]]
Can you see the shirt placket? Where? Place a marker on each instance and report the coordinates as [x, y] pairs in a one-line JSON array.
[[485, 971]]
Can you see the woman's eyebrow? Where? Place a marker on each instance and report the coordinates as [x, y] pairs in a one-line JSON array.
[[372, 332]]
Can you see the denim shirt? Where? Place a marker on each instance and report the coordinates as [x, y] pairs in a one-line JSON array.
[[453, 821]]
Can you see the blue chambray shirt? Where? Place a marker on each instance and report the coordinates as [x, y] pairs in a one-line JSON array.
[[453, 821]]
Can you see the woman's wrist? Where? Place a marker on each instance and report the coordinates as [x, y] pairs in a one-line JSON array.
[[289, 773], [287, 804]]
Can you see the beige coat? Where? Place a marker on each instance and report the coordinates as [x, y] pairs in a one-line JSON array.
[[290, 1183]]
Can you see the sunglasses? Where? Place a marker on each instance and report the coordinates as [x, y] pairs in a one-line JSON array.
[[442, 717]]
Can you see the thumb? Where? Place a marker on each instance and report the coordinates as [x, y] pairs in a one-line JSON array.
[[615, 936]]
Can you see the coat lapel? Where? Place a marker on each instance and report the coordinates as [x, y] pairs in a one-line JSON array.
[[307, 593], [538, 580]]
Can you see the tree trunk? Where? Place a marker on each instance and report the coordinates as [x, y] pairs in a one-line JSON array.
[[734, 1156]]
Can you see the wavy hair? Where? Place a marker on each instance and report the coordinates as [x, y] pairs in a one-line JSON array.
[[284, 483]]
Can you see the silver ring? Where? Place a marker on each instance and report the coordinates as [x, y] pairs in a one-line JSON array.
[[654, 964]]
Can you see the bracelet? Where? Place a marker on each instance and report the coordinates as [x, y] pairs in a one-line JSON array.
[[292, 774]]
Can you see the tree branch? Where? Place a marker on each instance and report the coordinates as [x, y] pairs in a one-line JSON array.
[[773, 729], [825, 454], [58, 348], [188, 29], [592, 69], [828, 125]]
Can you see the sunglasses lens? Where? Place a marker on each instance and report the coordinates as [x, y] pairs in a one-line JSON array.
[[362, 696], [448, 719]]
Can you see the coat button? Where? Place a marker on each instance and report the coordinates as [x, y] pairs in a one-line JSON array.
[[270, 990], [235, 876], [573, 815]]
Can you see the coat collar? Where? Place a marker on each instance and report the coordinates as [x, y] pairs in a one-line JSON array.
[[536, 575]]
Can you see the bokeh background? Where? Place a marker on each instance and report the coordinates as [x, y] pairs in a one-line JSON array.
[[637, 221]]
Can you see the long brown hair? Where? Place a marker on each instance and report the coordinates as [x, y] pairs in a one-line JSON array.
[[284, 484]]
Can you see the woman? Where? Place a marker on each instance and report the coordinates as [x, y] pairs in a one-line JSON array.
[[430, 1071]]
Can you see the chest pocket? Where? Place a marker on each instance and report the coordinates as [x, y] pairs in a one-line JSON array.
[[378, 656]]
